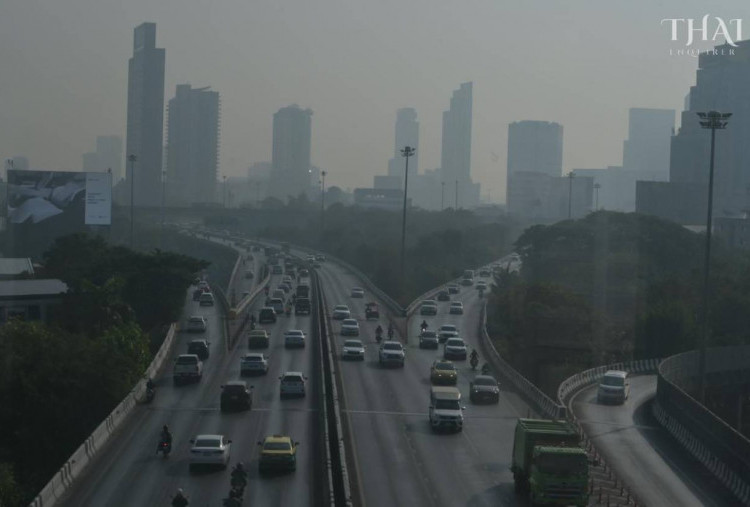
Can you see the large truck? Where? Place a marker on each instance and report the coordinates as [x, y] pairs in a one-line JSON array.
[[549, 463]]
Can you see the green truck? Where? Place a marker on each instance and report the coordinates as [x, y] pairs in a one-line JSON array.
[[549, 463]]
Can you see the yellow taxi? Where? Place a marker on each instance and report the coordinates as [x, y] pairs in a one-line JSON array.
[[278, 452], [443, 372]]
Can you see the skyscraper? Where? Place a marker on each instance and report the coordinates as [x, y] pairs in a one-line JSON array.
[[290, 165], [145, 115], [407, 134], [535, 146], [456, 148], [192, 145]]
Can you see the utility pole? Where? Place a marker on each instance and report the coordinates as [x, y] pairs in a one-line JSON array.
[[456, 195], [132, 158], [163, 199], [225, 190], [322, 204], [406, 152], [713, 120], [570, 194], [442, 195]]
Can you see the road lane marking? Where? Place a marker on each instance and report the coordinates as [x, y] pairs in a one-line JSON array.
[[421, 414]]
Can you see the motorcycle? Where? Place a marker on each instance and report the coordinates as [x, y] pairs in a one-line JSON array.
[[474, 361], [288, 311], [150, 393], [165, 448], [390, 332], [378, 336], [486, 369]]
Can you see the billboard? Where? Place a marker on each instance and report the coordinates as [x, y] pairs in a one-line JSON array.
[[37, 196], [44, 205]]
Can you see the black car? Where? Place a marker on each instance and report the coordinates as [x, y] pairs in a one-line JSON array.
[[302, 307], [199, 348], [235, 395], [267, 314], [443, 296]]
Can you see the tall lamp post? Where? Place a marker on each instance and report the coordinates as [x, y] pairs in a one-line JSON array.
[[456, 195], [132, 158], [225, 190], [597, 186], [570, 194], [322, 204], [406, 152], [442, 195], [713, 120], [163, 199]]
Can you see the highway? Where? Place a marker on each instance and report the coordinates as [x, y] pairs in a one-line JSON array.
[[641, 452], [397, 458], [128, 472]]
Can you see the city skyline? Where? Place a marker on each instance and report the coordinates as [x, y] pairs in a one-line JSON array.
[[543, 78]]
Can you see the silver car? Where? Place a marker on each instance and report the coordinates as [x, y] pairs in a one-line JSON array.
[[292, 384], [210, 450], [294, 338], [349, 327], [253, 364], [353, 349]]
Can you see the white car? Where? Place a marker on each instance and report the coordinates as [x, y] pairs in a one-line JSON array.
[[358, 292], [341, 312], [292, 384], [456, 308], [294, 338], [447, 331], [197, 324], [353, 349], [253, 364], [349, 327], [454, 348], [392, 352], [428, 307], [210, 450]]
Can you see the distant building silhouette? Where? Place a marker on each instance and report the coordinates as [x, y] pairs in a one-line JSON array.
[[109, 155], [192, 146], [290, 165], [719, 86], [145, 115], [407, 134], [456, 149], [646, 149]]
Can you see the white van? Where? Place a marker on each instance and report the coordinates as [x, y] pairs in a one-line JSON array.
[[614, 386], [446, 411]]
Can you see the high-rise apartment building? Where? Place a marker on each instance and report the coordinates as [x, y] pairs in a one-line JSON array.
[[145, 115], [407, 134], [192, 146], [720, 86], [109, 155], [456, 148], [290, 163]]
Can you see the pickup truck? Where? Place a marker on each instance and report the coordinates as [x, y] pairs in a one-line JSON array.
[[549, 463], [187, 368]]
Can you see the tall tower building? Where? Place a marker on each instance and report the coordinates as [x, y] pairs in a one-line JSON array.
[[407, 134], [456, 149], [145, 115], [192, 145], [290, 165]]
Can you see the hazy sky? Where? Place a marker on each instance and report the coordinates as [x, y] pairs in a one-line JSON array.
[[582, 63]]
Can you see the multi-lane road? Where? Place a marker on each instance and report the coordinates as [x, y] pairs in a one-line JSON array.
[[128, 472], [397, 458]]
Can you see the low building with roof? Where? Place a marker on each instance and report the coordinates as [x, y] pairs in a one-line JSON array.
[[30, 299]]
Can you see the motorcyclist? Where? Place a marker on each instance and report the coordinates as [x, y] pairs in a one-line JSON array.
[[379, 332], [474, 359], [486, 369], [390, 330], [165, 438], [423, 325], [150, 384], [179, 500], [239, 475], [252, 319]]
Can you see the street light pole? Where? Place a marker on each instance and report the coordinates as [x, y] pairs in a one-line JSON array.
[[132, 158], [456, 195], [257, 194], [597, 186], [570, 194], [712, 120], [163, 198], [322, 204], [406, 152], [225, 190], [442, 195]]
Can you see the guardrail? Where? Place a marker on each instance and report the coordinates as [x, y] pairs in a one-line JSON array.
[[338, 474], [715, 444], [541, 402], [79, 460]]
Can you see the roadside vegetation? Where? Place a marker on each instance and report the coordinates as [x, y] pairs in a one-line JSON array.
[[611, 287], [60, 380]]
